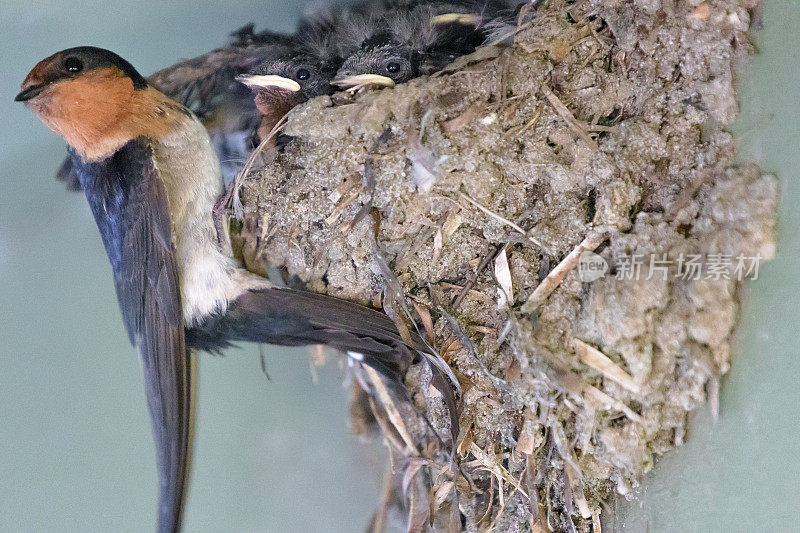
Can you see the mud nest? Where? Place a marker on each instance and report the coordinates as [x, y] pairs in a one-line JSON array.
[[469, 202]]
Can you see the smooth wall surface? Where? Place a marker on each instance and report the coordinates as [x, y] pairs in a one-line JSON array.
[[76, 452]]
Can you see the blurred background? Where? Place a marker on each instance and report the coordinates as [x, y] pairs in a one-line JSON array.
[[76, 452]]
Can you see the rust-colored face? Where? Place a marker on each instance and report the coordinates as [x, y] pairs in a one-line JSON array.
[[94, 99], [85, 110]]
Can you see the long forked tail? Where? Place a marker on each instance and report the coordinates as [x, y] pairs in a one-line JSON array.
[[290, 317], [170, 392]]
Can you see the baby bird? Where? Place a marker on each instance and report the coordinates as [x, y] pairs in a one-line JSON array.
[[151, 177], [416, 40], [322, 41], [281, 83]]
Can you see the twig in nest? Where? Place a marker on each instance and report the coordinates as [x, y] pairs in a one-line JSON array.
[[391, 410], [496, 469], [596, 528], [427, 321], [557, 275], [471, 282], [584, 392], [599, 361], [339, 208], [390, 435], [504, 221], [568, 117], [482, 53], [460, 122], [578, 495], [393, 293], [502, 274], [230, 200], [563, 448], [468, 347], [368, 181], [521, 129]]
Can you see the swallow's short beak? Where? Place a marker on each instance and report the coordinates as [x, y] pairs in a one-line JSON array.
[[29, 92], [279, 82], [362, 80]]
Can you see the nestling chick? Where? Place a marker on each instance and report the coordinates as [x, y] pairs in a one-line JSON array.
[[417, 41], [280, 84], [151, 177], [305, 70]]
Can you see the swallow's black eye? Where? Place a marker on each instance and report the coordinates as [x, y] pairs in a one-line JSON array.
[[393, 67], [73, 64], [303, 74]]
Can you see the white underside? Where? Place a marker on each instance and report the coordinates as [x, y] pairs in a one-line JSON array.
[[190, 171]]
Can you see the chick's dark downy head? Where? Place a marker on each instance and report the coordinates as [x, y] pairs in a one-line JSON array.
[[304, 75], [380, 61], [280, 84], [416, 40]]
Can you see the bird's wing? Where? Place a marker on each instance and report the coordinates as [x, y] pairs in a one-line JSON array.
[[291, 317], [131, 210], [205, 82]]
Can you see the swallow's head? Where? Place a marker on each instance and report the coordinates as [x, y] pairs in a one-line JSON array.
[[379, 62], [85, 94]]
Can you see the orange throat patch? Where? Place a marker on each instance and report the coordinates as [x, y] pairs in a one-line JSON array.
[[100, 111]]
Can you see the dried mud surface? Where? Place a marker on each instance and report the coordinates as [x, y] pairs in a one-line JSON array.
[[603, 121]]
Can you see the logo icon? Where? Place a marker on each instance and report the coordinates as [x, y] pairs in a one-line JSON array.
[[591, 267]]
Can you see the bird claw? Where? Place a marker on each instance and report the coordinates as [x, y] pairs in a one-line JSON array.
[[219, 212]]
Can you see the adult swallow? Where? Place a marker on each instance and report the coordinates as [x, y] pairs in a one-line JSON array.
[[151, 177], [416, 40]]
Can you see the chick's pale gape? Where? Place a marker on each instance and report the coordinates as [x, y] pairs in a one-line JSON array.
[[151, 177]]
